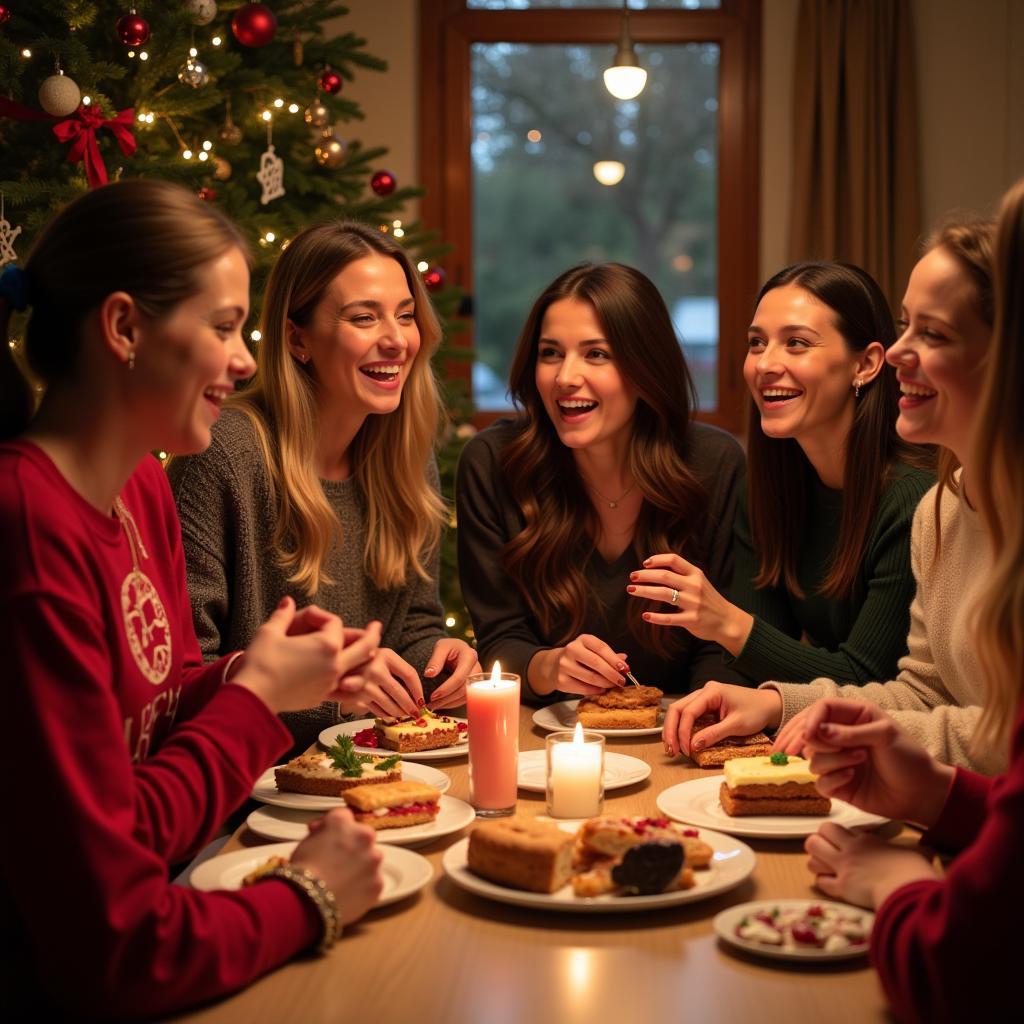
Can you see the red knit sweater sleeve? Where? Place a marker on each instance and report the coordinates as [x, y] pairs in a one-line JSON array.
[[943, 949], [92, 827]]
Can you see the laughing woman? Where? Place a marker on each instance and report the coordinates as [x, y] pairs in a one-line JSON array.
[[822, 585], [320, 481], [601, 467]]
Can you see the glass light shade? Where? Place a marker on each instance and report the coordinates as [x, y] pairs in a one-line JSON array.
[[609, 172], [625, 82]]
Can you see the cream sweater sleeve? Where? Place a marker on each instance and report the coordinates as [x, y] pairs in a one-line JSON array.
[[917, 698]]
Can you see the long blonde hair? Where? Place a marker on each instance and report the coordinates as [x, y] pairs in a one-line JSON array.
[[389, 454], [997, 486]]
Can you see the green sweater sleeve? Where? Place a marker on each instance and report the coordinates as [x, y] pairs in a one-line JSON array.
[[877, 637]]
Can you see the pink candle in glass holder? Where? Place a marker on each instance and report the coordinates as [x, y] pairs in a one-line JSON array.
[[492, 708]]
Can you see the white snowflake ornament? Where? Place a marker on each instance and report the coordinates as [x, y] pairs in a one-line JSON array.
[[271, 176], [7, 237]]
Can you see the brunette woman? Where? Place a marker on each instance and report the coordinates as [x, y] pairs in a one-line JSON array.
[[130, 752], [601, 467], [822, 585], [942, 946], [939, 359], [320, 481]]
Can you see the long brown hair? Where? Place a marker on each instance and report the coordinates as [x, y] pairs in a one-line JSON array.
[[389, 454], [148, 238], [779, 473], [561, 526], [997, 483], [970, 242]]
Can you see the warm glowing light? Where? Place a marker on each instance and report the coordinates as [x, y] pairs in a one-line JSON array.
[[450, 621], [207, 145], [216, 40], [267, 115], [609, 172], [270, 236], [26, 53], [256, 335], [624, 82], [396, 223], [204, 155], [533, 135], [293, 108], [193, 52], [131, 53], [143, 55], [682, 263], [187, 154], [496, 672], [86, 100], [398, 233], [279, 102], [423, 266]]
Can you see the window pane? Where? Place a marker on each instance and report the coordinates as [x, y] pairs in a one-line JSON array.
[[542, 119], [634, 5]]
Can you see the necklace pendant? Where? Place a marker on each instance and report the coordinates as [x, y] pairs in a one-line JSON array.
[[613, 504]]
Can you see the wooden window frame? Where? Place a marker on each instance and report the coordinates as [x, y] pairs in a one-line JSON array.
[[447, 31]]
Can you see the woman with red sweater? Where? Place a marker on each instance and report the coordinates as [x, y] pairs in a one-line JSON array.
[[129, 753], [943, 947]]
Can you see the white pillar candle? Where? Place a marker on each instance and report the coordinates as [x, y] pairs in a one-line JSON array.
[[574, 777]]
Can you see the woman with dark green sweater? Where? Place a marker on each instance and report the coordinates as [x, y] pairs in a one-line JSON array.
[[822, 583]]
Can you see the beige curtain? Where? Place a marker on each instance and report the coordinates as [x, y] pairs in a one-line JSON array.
[[856, 191]]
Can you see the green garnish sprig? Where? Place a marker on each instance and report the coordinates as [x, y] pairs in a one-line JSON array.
[[779, 758], [350, 764]]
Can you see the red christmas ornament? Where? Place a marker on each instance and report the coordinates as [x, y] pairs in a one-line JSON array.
[[254, 25], [330, 81], [5, 14], [207, 194], [434, 279], [383, 183], [132, 30]]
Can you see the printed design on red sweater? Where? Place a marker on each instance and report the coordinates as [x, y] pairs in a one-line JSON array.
[[145, 619]]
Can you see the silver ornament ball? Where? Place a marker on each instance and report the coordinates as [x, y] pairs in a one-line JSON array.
[[202, 11], [59, 95], [330, 151], [193, 72], [317, 115]]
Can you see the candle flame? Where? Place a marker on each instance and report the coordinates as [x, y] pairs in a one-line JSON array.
[[577, 736], [496, 672]]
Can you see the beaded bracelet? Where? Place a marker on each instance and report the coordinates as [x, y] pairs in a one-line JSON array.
[[321, 897]]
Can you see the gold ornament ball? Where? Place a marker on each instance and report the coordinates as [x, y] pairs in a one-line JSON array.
[[221, 168], [330, 152], [230, 133], [59, 95], [317, 115]]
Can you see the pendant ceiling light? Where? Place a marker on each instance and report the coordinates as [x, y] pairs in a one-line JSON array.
[[625, 79]]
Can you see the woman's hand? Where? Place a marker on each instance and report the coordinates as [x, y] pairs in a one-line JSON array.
[[860, 868], [701, 609], [461, 661], [345, 856], [587, 665], [296, 660], [863, 757], [740, 711], [392, 688]]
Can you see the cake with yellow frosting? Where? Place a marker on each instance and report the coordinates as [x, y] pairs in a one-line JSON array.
[[424, 731], [777, 784]]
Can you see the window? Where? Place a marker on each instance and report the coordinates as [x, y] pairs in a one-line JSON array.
[[532, 166]]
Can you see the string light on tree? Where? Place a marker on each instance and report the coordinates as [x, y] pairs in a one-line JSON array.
[[254, 25], [132, 29], [383, 183], [330, 81]]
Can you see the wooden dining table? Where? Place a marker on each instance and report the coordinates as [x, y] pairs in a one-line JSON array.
[[449, 956]]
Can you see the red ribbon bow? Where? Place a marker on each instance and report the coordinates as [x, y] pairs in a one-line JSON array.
[[80, 130]]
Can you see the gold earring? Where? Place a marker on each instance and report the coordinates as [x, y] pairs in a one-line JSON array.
[[856, 388], [131, 360]]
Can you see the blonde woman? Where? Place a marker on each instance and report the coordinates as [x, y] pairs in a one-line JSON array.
[[320, 481], [943, 946]]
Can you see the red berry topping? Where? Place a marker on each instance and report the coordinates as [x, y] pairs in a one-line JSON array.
[[366, 738], [764, 918], [805, 935], [815, 911], [421, 722], [463, 727], [690, 833]]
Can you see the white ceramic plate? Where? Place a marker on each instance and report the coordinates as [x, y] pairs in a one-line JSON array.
[[619, 770], [285, 823], [696, 803], [732, 862], [556, 717], [404, 871], [266, 790], [329, 736], [726, 922]]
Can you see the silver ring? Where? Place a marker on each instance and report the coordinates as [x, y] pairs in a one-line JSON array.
[[675, 596]]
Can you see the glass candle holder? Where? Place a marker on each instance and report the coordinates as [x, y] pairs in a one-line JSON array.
[[492, 711], [575, 774]]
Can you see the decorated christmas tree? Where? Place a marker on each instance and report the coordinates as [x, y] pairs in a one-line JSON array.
[[243, 102]]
